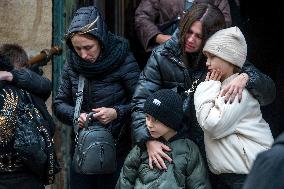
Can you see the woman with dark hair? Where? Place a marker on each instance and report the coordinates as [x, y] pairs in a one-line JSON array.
[[156, 20], [179, 64], [111, 73]]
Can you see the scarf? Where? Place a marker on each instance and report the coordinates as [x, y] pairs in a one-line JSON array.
[[113, 54]]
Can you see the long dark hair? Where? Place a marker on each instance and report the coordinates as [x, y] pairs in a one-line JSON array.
[[211, 18]]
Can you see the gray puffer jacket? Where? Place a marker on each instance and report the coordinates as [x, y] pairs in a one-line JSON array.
[[186, 171]]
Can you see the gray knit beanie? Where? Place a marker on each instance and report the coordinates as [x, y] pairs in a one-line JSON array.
[[228, 44], [165, 105]]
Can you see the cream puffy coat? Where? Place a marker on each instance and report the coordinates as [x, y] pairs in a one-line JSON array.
[[233, 133]]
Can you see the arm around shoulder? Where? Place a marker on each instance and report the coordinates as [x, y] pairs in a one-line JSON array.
[[260, 85], [149, 82]]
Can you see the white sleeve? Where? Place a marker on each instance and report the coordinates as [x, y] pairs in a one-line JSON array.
[[215, 117]]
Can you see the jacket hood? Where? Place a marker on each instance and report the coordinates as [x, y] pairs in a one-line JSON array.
[[88, 20], [114, 49]]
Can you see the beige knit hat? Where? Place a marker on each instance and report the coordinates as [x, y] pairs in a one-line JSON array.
[[228, 44]]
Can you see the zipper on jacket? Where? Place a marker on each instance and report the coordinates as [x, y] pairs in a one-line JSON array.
[[245, 157]]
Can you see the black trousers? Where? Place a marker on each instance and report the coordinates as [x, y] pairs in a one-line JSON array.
[[103, 181], [21, 180], [228, 181]]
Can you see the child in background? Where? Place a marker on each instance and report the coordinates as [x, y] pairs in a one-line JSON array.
[[164, 114], [234, 133]]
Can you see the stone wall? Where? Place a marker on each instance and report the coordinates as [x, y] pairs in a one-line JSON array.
[[29, 24]]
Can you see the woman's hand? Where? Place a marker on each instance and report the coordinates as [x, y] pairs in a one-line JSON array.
[[156, 154], [82, 119], [235, 87], [161, 38], [7, 76], [105, 115]]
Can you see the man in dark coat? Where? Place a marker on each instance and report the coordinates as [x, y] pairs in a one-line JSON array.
[[268, 168]]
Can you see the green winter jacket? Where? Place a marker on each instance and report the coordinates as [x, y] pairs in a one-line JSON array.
[[187, 170]]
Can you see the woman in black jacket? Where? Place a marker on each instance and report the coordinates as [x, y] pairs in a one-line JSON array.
[[179, 63], [111, 73]]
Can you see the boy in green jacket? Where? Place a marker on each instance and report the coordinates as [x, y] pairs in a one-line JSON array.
[[164, 114]]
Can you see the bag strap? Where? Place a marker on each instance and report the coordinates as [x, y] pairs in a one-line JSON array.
[[79, 100]]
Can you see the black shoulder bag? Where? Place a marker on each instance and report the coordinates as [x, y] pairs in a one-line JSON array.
[[33, 142], [95, 151]]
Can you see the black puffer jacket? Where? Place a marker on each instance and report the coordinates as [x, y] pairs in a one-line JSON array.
[[268, 168], [165, 69], [40, 88], [110, 81], [33, 82]]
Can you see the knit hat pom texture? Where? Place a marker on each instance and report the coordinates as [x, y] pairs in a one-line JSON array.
[[228, 44]]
